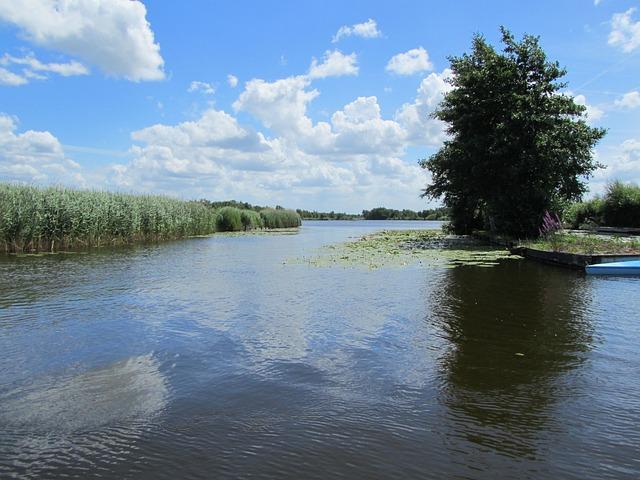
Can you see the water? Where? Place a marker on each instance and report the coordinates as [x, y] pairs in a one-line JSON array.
[[212, 358]]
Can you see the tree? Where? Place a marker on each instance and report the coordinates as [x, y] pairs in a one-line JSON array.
[[517, 146]]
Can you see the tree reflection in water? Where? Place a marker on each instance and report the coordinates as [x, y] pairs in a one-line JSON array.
[[515, 348]]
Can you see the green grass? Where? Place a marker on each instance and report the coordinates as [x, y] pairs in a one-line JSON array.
[[36, 219], [585, 244]]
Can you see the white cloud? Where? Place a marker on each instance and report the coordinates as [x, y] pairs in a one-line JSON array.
[[232, 80], [413, 61], [11, 79], [368, 29], [280, 105], [33, 156], [415, 117], [629, 100], [334, 64], [593, 113], [32, 64], [621, 163], [203, 87], [111, 34], [625, 33], [597, 2], [352, 161]]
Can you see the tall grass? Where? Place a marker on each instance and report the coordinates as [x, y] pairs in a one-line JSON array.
[[280, 218], [55, 218]]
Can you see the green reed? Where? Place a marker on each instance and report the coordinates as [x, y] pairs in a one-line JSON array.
[[34, 219]]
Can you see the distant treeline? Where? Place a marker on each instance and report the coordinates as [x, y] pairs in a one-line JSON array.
[[313, 215], [34, 219], [379, 213], [382, 213]]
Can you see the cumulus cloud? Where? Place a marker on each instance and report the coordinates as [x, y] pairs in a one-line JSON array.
[[280, 105], [334, 64], [629, 100], [33, 156], [621, 163], [203, 87], [416, 118], [114, 35], [232, 80], [410, 62], [593, 113], [625, 33], [355, 158], [368, 29]]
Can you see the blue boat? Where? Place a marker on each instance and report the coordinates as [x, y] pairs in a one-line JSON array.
[[631, 267]]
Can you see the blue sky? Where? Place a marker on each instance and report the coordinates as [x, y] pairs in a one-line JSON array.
[[326, 107]]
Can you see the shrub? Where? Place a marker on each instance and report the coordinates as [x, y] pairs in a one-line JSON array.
[[251, 220], [280, 218], [621, 206], [229, 220], [581, 214]]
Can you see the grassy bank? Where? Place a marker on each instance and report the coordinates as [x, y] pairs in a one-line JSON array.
[[585, 244], [34, 219]]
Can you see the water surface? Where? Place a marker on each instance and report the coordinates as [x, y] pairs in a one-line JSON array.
[[218, 358]]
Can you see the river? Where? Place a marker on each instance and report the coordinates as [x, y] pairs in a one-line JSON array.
[[220, 358]]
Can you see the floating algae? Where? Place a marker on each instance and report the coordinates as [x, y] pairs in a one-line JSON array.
[[399, 248]]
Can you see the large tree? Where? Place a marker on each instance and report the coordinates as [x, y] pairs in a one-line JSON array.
[[517, 146]]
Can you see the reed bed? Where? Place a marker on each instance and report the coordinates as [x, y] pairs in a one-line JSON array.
[[37, 219]]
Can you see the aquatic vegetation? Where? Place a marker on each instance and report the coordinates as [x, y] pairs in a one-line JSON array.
[[37, 219], [391, 248]]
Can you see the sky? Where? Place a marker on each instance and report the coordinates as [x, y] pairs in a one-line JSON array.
[[316, 105]]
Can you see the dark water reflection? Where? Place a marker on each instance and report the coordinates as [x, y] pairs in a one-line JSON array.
[[211, 358]]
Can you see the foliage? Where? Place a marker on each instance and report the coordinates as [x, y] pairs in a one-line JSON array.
[[280, 218], [586, 244], [229, 220], [251, 220], [516, 146], [584, 215], [315, 215], [620, 207], [381, 213], [36, 219]]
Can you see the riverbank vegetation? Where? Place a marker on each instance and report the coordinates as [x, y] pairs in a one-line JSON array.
[[34, 219], [585, 244], [618, 207], [518, 145]]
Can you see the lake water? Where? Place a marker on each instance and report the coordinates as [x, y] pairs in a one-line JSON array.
[[218, 358]]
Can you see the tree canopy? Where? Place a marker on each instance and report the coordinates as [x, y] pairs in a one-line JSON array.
[[516, 145]]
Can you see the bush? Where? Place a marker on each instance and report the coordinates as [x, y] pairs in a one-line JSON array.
[[621, 206], [581, 214], [229, 220], [280, 218], [251, 220]]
